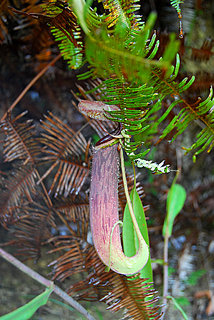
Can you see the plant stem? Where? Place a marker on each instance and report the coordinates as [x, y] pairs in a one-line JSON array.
[[178, 307], [47, 283], [39, 75], [136, 227], [165, 274]]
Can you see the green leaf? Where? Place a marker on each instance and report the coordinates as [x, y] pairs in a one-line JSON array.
[[130, 240], [26, 312], [80, 9], [195, 276], [176, 304], [175, 201], [182, 301], [171, 50]]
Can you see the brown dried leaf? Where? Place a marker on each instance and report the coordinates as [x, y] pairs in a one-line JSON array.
[[33, 230], [20, 142], [64, 149], [19, 187]]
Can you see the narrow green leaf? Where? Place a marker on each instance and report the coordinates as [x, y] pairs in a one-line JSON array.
[[171, 49], [182, 301], [80, 9], [26, 312], [195, 276], [178, 307], [130, 241], [175, 201]]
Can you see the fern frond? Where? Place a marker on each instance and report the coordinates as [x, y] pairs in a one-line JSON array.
[[176, 4], [117, 291], [68, 153], [123, 10], [138, 84], [139, 106], [202, 111], [120, 56], [72, 261], [20, 187], [66, 31], [3, 18], [28, 238], [74, 212], [72, 54], [19, 142], [140, 292], [73, 208]]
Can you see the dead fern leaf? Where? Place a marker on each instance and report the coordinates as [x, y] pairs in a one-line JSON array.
[[58, 15], [74, 211], [4, 11], [135, 295], [68, 153], [205, 52], [33, 230], [20, 142], [72, 261], [21, 186]]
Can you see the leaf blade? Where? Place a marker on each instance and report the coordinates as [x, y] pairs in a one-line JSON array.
[[175, 201], [130, 241], [26, 312]]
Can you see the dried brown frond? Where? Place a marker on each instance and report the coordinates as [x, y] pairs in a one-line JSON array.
[[68, 153], [20, 186], [74, 214], [102, 128], [72, 260], [20, 24], [117, 291], [4, 12], [97, 283], [74, 208], [140, 299], [74, 211], [203, 82], [20, 142], [33, 230], [39, 44], [14, 19], [27, 5], [58, 15], [205, 52]]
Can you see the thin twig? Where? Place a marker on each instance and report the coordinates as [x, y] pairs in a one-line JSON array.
[[31, 84], [47, 283]]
